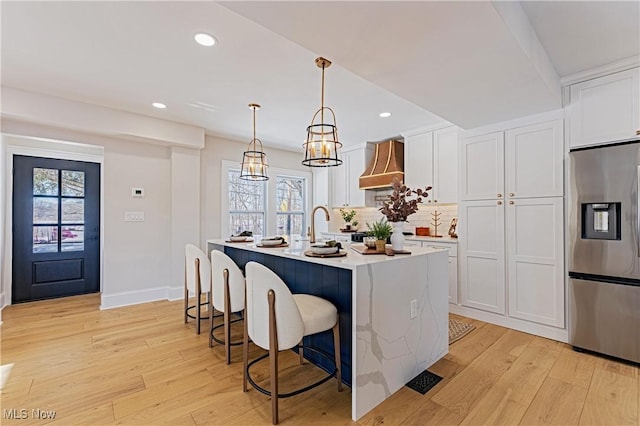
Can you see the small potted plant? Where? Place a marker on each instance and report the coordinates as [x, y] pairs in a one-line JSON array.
[[347, 216], [381, 230]]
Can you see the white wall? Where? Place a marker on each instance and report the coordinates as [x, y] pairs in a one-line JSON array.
[[216, 150], [2, 224]]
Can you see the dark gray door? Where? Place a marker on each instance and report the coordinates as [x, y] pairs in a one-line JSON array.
[[56, 228]]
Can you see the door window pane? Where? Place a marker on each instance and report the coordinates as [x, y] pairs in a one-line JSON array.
[[45, 210], [72, 210], [72, 238], [45, 239], [72, 183], [45, 181]]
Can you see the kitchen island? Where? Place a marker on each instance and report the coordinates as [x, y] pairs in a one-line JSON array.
[[393, 310]]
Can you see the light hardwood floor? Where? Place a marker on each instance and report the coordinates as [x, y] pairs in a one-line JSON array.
[[142, 365]]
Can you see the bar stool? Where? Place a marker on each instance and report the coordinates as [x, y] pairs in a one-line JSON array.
[[228, 287], [277, 320], [197, 277]]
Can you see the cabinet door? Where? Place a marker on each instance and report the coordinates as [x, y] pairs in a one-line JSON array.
[[534, 159], [482, 271], [605, 109], [453, 280], [482, 167], [445, 165], [339, 188], [418, 161], [321, 186], [535, 260], [355, 167]]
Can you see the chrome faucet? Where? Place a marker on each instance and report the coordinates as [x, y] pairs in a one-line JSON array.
[[312, 236]]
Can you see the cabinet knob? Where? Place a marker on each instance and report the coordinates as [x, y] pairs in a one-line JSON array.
[[429, 201], [499, 195], [499, 203], [511, 194], [511, 202], [435, 201], [638, 132]]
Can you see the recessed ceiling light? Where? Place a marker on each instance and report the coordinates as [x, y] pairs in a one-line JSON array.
[[385, 114], [159, 105], [205, 39]]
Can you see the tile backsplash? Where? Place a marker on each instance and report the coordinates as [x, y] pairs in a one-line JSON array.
[[422, 218]]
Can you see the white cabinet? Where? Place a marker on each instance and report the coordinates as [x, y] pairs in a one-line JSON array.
[[605, 109], [345, 179], [453, 267], [535, 256], [534, 160], [511, 223], [482, 255], [431, 159], [482, 167]]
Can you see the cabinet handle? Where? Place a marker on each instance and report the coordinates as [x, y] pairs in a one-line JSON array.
[[511, 202], [499, 203], [499, 195], [511, 194], [637, 132]]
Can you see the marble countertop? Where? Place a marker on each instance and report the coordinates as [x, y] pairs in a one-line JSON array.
[[352, 260], [446, 239]]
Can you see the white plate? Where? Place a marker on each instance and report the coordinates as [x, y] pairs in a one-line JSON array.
[[238, 238]]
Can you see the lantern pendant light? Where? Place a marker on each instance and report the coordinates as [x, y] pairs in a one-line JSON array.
[[254, 160], [322, 146]]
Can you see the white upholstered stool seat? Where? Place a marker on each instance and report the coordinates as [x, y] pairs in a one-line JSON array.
[[317, 313], [277, 320], [197, 281]]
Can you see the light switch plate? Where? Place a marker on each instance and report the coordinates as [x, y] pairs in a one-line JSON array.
[[134, 216]]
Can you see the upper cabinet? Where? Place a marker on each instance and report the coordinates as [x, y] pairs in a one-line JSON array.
[[431, 159], [523, 162], [345, 191], [605, 109]]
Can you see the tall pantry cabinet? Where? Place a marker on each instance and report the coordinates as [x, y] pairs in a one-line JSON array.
[[511, 218]]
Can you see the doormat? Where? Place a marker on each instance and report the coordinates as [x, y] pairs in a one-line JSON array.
[[424, 381], [458, 329]]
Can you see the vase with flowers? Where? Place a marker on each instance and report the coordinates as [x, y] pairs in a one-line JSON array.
[[402, 203]]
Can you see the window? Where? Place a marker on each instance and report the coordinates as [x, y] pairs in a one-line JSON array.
[[246, 204], [58, 210], [290, 205], [278, 206]]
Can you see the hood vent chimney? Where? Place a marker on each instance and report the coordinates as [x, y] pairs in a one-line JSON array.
[[387, 164]]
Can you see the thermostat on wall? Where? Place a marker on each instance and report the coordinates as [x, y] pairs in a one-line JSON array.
[[137, 192]]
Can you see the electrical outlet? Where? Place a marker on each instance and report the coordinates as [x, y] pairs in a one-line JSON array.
[[134, 216], [414, 308]]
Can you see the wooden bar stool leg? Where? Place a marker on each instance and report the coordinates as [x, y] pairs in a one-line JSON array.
[[186, 293], [227, 317], [210, 318], [198, 294], [273, 356], [245, 346], [336, 349], [301, 353]]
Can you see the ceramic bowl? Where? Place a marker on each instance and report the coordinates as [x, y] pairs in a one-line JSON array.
[[370, 242], [272, 242], [322, 249], [238, 238]]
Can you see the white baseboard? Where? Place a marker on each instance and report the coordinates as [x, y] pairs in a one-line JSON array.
[[559, 334], [126, 298], [175, 293]]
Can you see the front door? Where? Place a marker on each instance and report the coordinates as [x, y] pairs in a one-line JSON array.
[[56, 228]]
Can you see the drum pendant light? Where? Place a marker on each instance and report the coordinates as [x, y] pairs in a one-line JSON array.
[[322, 146], [254, 160]]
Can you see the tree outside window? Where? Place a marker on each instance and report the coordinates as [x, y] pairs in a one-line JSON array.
[[290, 202], [246, 205]]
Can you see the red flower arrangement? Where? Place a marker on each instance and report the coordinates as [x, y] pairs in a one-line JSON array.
[[399, 207]]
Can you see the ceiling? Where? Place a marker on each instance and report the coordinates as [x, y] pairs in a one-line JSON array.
[[471, 63]]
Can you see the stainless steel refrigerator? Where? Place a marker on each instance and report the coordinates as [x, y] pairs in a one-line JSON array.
[[604, 257]]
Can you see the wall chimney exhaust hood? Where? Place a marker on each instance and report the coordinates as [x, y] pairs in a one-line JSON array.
[[387, 164]]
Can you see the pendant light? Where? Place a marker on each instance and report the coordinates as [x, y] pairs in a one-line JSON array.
[[254, 160], [322, 145]]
